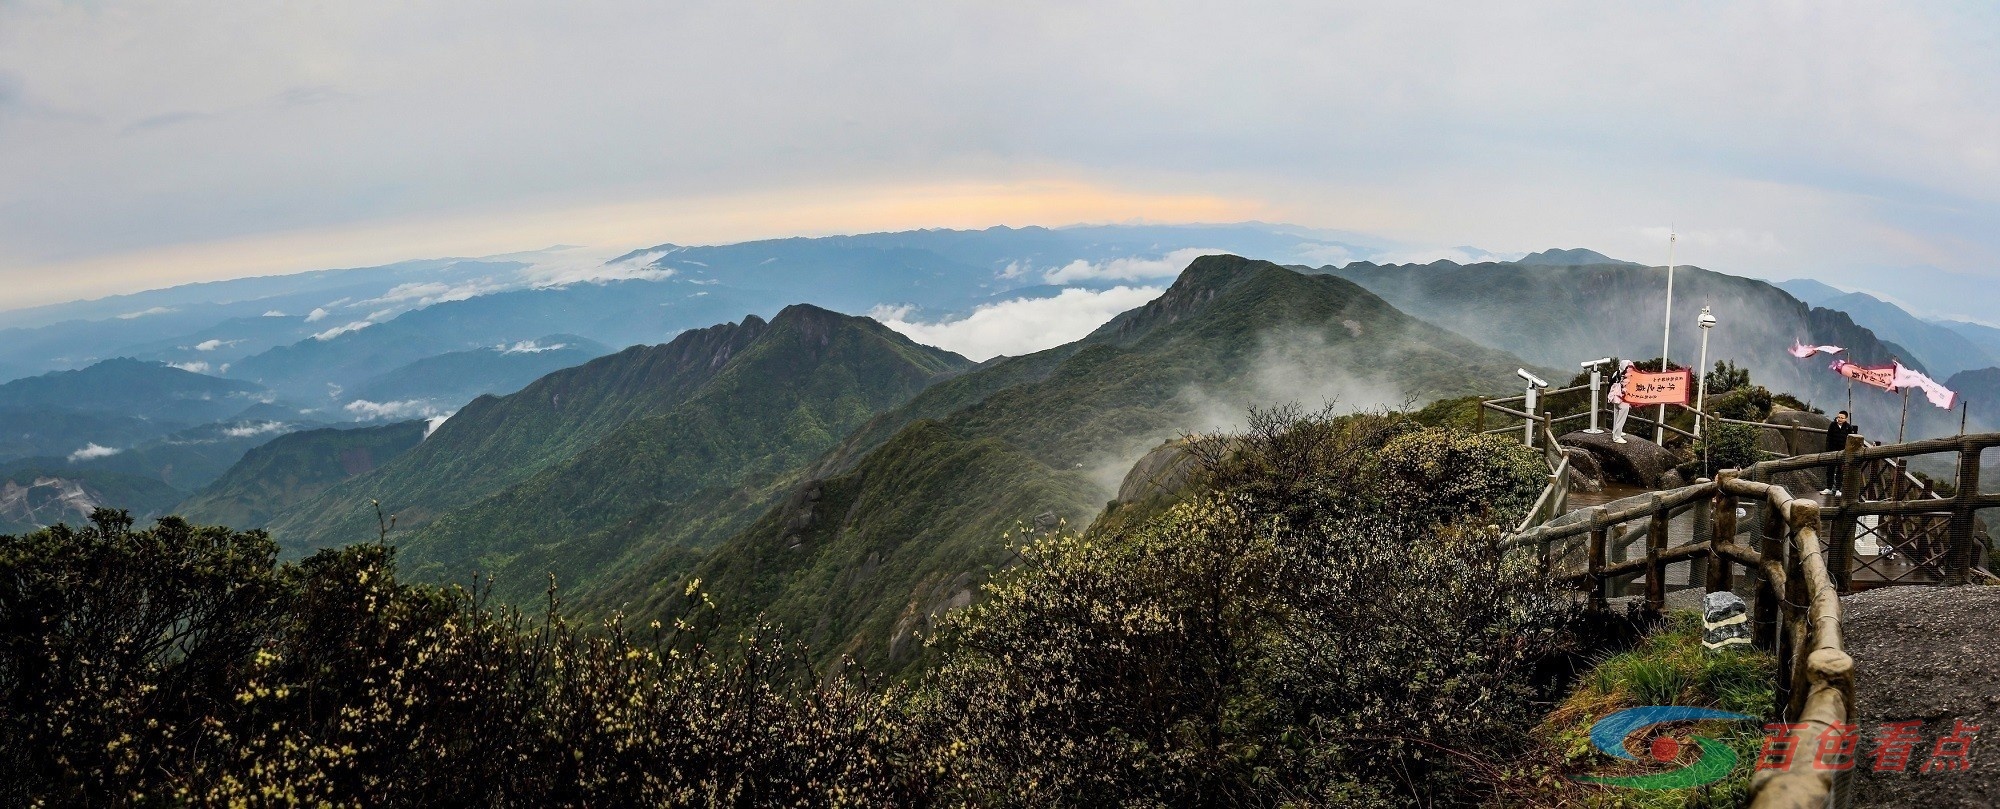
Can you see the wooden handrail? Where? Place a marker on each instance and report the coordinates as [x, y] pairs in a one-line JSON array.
[[1798, 578]]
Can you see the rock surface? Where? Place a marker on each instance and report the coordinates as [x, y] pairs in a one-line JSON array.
[[1930, 654], [1794, 442], [1586, 475], [1636, 462]]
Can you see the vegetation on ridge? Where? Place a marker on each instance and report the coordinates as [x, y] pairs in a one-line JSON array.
[[1293, 632]]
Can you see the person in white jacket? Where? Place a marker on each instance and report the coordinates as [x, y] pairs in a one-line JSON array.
[[1619, 409]]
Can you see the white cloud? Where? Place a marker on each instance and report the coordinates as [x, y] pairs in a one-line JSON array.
[[340, 330], [211, 345], [191, 367], [407, 409], [381, 314], [255, 428], [274, 313], [1021, 325], [529, 347], [157, 310], [93, 450], [425, 293], [316, 315], [1126, 269], [566, 270], [432, 424]]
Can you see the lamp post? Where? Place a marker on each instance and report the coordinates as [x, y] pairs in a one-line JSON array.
[[1701, 386], [1666, 338]]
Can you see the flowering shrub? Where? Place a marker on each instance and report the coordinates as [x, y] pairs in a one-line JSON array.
[[183, 665], [1238, 649]]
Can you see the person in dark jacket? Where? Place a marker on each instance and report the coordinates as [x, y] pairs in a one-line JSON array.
[[1836, 440]]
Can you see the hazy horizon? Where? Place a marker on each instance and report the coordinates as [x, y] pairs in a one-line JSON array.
[[143, 146]]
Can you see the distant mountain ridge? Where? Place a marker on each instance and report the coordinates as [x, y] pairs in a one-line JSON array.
[[1559, 316], [1572, 257], [1939, 347]]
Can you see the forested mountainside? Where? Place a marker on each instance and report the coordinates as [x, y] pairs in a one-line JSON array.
[[913, 510]]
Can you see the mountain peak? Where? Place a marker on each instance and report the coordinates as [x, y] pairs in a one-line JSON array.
[[1571, 257]]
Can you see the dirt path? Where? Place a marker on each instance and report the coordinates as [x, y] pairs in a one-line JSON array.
[[1929, 654]]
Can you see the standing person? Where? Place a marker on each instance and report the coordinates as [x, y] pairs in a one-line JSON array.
[[1619, 408], [1836, 440]]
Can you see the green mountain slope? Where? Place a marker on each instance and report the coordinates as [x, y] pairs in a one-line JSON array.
[[496, 442], [909, 514], [292, 468], [691, 475]]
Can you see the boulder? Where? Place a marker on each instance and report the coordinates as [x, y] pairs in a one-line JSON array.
[[1166, 468], [1799, 443], [1585, 473], [1637, 462], [1580, 482]]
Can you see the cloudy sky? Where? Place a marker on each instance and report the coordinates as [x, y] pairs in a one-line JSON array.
[[143, 144]]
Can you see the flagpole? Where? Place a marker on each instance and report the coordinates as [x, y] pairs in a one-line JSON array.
[[1906, 416], [1666, 337]]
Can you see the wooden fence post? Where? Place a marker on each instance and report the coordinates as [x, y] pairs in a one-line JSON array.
[[1840, 546], [1722, 531], [1764, 613], [1656, 573], [1598, 602], [1958, 557]]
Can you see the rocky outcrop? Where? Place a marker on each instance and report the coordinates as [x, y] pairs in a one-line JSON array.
[[1794, 442], [1637, 462], [1165, 469], [1585, 473]]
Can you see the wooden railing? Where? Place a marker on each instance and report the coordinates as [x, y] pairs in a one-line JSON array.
[[1554, 499], [1803, 561], [1513, 409]]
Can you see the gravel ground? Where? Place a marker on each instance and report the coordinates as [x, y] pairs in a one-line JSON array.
[[1930, 654]]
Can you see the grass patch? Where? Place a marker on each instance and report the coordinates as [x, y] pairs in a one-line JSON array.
[[1667, 667]]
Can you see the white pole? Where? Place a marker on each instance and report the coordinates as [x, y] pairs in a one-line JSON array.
[[1701, 386], [1666, 337], [1597, 384], [1528, 407]]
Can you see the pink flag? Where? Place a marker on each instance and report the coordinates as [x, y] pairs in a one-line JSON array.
[[1802, 351], [1938, 394], [1883, 376]]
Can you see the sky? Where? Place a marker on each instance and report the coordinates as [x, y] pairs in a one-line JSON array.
[[146, 144]]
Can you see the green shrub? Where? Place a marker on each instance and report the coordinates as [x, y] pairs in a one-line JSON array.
[[1242, 649], [1726, 446]]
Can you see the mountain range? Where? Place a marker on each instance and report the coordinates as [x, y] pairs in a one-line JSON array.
[[793, 464], [912, 511]]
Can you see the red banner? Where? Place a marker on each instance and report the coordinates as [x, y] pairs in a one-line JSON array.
[[1658, 388], [1883, 377]]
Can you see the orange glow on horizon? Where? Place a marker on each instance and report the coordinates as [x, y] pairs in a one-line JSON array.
[[616, 228]]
